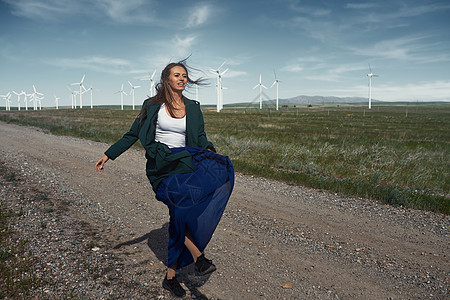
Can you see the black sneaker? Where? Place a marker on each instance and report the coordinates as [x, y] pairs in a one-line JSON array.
[[173, 286], [204, 266]]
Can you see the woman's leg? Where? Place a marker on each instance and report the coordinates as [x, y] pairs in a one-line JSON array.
[[194, 252], [171, 271], [191, 247], [171, 284], [203, 265]]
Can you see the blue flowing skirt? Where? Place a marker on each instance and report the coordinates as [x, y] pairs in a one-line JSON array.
[[196, 201]]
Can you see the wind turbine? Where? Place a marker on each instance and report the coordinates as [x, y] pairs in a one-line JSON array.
[[121, 96], [370, 75], [90, 89], [275, 82], [7, 98], [81, 91], [56, 101], [38, 99], [18, 98], [219, 86], [35, 99], [152, 83], [74, 97], [26, 102], [260, 91], [132, 90]]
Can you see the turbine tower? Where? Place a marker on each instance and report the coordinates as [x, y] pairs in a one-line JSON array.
[[261, 86], [152, 83], [8, 102], [219, 86], [90, 89], [370, 75], [26, 102], [133, 87], [121, 96], [275, 82], [56, 102], [81, 89], [73, 95]]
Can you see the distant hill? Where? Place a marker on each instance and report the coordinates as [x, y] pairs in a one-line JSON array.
[[320, 99]]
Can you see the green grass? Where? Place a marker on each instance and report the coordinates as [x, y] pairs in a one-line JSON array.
[[398, 154]]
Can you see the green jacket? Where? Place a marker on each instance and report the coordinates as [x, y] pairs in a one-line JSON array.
[[160, 161]]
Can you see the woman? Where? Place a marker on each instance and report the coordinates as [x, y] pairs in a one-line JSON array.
[[183, 168]]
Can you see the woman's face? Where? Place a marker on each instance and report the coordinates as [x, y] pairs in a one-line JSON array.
[[177, 79]]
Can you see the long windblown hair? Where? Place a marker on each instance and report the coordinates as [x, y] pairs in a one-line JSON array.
[[163, 93]]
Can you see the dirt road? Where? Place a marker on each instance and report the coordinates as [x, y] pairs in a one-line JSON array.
[[275, 241]]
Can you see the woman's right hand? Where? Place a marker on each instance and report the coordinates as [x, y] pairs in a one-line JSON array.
[[101, 162]]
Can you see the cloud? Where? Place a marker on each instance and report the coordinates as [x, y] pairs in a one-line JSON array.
[[198, 16], [394, 17], [414, 11], [110, 65], [184, 43], [408, 48], [41, 10], [438, 90], [293, 68], [309, 10], [361, 5], [130, 11], [427, 91]]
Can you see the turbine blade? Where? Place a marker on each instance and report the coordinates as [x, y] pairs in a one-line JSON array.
[[82, 79], [273, 83], [221, 65], [224, 71], [154, 72], [256, 86]]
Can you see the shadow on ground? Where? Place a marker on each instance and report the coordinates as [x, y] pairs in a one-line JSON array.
[[157, 241]]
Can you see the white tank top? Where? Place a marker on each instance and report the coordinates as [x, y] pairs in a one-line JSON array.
[[170, 131]]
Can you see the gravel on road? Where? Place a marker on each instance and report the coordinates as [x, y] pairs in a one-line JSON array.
[[104, 235]]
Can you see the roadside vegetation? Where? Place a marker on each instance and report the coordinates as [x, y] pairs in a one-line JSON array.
[[397, 154], [16, 263]]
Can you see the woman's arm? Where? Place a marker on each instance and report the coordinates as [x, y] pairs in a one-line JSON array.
[[101, 162], [125, 142]]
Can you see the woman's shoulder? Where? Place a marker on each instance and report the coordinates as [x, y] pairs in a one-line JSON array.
[[151, 101], [188, 101]]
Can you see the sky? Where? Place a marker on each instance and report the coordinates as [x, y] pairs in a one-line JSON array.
[[314, 48]]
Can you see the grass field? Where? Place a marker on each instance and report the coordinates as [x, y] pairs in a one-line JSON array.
[[395, 153]]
